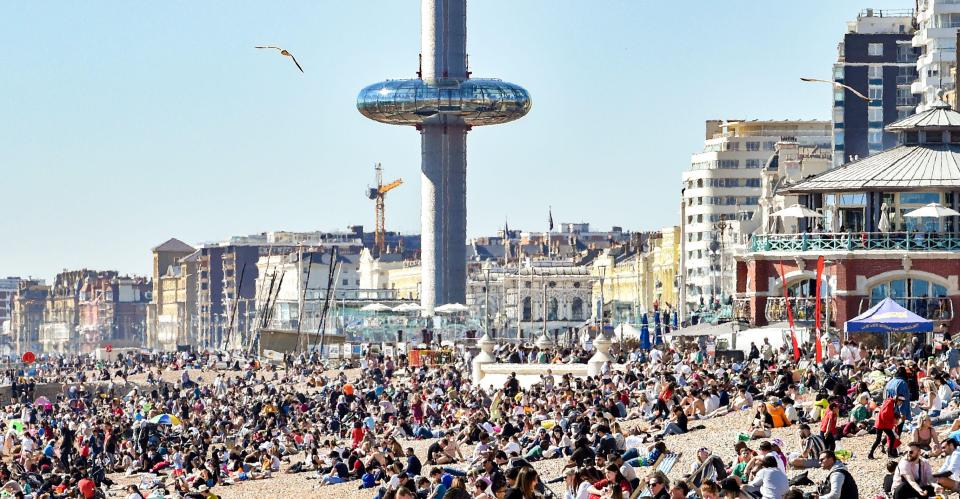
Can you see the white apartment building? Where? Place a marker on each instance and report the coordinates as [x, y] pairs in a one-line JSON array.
[[721, 194], [936, 35]]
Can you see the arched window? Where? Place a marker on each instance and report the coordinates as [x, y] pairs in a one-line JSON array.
[[552, 310], [577, 309], [527, 309], [924, 298]]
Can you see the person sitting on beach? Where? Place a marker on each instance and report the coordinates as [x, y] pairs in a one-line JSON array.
[[762, 423], [812, 446], [708, 466], [925, 436]]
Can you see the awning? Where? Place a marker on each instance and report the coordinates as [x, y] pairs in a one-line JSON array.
[[888, 317], [703, 329]]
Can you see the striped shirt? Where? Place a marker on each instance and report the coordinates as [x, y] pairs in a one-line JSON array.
[[813, 446]]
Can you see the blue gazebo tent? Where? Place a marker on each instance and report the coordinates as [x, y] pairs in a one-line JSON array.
[[888, 317]]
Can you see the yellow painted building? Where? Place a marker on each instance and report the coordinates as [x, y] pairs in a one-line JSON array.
[[666, 266], [406, 281], [633, 282]]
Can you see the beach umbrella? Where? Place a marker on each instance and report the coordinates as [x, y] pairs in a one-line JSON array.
[[407, 307], [451, 308], [884, 224], [43, 402], [644, 332], [657, 329], [375, 307], [933, 210], [166, 419], [796, 211]]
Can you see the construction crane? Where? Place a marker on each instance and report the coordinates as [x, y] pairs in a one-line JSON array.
[[377, 194]]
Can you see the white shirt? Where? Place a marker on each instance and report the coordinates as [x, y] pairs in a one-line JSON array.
[[952, 464], [628, 472], [633, 442], [656, 356], [846, 355], [711, 404]]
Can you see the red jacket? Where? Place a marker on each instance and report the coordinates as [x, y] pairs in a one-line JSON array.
[[828, 425], [887, 418]]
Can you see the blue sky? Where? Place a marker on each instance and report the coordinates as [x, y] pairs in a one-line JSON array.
[[127, 123]]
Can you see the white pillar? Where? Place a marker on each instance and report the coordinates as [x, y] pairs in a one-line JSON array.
[[602, 345], [484, 357]]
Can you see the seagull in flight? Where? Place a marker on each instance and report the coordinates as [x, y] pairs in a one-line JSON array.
[[837, 84], [282, 51]]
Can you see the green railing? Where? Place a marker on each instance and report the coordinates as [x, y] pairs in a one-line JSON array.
[[856, 241]]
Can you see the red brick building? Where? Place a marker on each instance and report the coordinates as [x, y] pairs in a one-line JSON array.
[[873, 248]]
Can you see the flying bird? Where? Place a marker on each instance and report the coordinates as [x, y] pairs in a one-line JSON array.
[[837, 84], [282, 51]]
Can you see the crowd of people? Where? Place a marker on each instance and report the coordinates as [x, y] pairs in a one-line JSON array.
[[192, 424]]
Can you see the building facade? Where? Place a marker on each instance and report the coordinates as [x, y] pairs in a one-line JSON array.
[[873, 248], [543, 294], [936, 37], [877, 59], [112, 311], [8, 290], [29, 304], [722, 188], [171, 312]]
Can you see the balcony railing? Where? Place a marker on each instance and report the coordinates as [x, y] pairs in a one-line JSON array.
[[803, 308], [856, 241], [931, 308], [742, 309]]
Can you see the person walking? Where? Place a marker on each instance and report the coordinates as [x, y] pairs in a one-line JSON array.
[[886, 422]]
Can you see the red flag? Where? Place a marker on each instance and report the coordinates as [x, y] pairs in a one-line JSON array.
[[816, 313], [786, 299]]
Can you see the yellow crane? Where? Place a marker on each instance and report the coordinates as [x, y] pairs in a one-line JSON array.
[[377, 194]]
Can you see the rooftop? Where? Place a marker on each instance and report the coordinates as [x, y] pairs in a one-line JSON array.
[[174, 245], [927, 159]]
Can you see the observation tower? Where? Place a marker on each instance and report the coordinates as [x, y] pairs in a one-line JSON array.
[[443, 104]]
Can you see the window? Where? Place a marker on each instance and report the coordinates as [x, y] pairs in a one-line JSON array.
[[924, 298], [875, 49], [954, 138], [769, 145], [838, 72], [754, 163], [876, 93], [552, 310], [752, 182], [838, 137], [753, 146], [733, 146], [346, 282], [527, 309], [934, 137], [874, 137], [838, 115], [576, 309], [946, 21], [838, 96], [875, 114], [729, 163], [875, 72]]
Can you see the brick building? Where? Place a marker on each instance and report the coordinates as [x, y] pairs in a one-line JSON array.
[[872, 247]]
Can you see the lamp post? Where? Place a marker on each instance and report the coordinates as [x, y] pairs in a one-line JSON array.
[[722, 227]]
